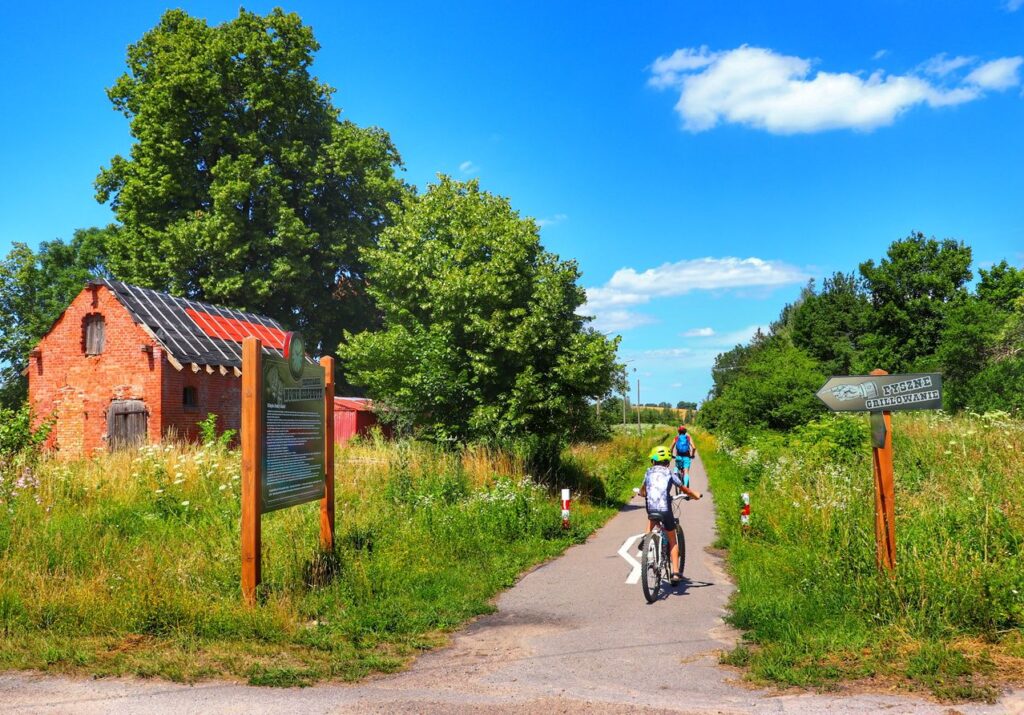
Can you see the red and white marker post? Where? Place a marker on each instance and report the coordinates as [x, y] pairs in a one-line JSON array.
[[745, 511], [565, 508]]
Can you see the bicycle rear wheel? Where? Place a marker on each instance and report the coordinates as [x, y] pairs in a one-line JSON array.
[[650, 569]]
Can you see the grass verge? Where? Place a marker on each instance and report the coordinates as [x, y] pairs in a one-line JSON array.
[[129, 563], [815, 610]]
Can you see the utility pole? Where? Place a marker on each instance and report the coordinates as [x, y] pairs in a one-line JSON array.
[[639, 429]]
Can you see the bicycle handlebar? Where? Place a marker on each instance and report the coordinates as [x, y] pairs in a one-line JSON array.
[[672, 497]]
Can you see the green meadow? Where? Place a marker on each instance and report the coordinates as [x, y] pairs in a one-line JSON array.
[[815, 609], [129, 563]]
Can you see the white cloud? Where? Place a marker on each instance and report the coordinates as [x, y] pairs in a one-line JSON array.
[[468, 167], [668, 71], [778, 93], [940, 65], [551, 220], [617, 321], [880, 54], [1014, 5], [701, 356], [699, 333], [998, 74], [678, 358], [629, 287]]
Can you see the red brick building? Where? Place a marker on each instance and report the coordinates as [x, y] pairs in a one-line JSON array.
[[124, 365]]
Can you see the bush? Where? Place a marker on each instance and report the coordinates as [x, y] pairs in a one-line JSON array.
[[16, 431], [773, 389], [208, 432]]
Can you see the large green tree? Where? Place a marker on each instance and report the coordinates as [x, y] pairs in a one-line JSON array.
[[911, 291], [480, 339], [35, 288], [831, 324], [772, 388], [1001, 286], [243, 186]]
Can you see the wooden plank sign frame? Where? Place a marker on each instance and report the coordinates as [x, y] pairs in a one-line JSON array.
[[254, 446]]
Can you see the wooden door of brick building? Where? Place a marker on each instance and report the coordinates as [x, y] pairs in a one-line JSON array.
[[127, 424]]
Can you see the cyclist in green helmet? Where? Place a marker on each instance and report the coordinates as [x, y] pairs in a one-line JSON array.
[[656, 490]]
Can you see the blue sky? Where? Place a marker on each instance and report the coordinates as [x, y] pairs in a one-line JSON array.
[[700, 160]]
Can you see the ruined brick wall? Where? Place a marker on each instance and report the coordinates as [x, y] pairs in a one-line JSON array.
[[76, 389]]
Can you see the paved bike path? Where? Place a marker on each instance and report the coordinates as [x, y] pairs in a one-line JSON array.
[[571, 636]]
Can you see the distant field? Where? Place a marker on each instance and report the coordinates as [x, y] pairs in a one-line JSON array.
[[815, 609], [130, 563]]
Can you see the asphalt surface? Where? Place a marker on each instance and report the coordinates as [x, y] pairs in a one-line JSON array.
[[571, 637]]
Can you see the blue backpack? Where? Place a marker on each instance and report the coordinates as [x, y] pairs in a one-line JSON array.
[[683, 448]]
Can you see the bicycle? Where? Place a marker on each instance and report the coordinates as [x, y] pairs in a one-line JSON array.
[[656, 557]]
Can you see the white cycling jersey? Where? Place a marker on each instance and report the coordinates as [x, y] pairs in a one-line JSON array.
[[658, 480]]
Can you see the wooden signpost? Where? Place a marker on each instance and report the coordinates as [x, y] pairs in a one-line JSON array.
[[879, 393], [287, 444]]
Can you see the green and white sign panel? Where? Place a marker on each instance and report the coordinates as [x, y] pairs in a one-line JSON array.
[[293, 419]]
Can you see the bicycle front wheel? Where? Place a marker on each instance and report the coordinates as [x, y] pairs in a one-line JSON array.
[[681, 540], [650, 569]]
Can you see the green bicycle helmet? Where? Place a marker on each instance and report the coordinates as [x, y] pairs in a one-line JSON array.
[[660, 454]]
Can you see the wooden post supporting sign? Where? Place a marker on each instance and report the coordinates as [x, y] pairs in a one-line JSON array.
[[252, 459], [327, 503], [878, 394], [885, 492]]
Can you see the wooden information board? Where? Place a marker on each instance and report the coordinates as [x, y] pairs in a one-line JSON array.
[[287, 444]]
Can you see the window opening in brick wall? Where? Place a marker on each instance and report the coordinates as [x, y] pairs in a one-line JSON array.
[[95, 334], [190, 399]]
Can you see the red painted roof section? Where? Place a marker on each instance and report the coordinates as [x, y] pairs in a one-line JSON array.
[[233, 329]]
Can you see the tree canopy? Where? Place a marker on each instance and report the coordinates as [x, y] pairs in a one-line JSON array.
[[35, 288], [912, 311], [243, 186], [911, 290], [480, 338]]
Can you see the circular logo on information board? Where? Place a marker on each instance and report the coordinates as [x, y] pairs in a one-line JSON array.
[[295, 353]]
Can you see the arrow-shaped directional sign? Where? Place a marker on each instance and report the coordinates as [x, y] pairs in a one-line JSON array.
[[859, 393]]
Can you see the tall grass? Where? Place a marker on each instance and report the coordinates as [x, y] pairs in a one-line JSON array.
[[813, 604], [129, 563]]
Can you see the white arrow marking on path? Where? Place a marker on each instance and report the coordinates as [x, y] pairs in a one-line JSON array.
[[627, 546]]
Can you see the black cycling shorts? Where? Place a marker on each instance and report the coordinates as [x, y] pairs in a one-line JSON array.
[[667, 519]]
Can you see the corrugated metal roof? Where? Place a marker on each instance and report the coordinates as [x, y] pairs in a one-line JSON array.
[[195, 332], [354, 404]]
